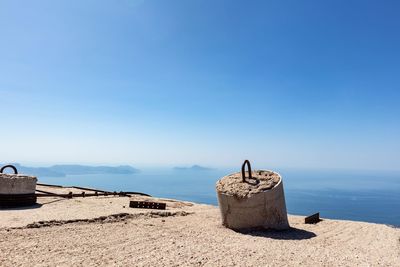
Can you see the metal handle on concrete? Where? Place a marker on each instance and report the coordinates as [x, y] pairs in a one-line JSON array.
[[246, 162], [9, 166]]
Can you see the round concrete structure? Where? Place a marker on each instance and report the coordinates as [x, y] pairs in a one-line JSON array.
[[17, 190], [14, 184], [260, 204]]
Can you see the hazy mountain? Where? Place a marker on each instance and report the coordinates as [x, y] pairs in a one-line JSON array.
[[63, 170], [193, 168], [36, 171], [82, 169]]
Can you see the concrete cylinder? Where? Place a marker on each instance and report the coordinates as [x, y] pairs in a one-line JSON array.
[[14, 184], [253, 204], [17, 190]]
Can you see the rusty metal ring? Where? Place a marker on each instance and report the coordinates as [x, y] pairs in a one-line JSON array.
[[246, 162], [250, 180], [9, 166]]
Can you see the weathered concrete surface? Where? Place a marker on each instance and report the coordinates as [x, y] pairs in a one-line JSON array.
[[17, 184], [265, 209]]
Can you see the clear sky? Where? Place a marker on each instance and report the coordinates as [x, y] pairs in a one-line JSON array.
[[311, 84]]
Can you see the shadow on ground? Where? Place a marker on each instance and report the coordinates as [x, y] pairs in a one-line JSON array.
[[36, 206], [290, 234]]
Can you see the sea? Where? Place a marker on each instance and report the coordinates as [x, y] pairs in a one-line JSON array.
[[369, 196]]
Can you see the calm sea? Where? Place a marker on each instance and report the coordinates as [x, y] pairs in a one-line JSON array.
[[348, 195]]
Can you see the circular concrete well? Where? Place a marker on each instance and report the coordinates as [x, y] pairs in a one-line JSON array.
[[252, 199], [16, 190]]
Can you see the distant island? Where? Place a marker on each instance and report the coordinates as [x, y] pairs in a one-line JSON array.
[[193, 168], [64, 170]]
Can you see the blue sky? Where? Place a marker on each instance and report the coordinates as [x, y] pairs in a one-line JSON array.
[[309, 84]]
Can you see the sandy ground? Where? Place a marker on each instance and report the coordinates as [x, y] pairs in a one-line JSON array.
[[104, 231]]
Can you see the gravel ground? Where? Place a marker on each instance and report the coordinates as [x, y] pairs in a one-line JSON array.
[[101, 232]]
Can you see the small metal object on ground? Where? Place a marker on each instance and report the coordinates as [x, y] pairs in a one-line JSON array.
[[147, 205], [312, 219]]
